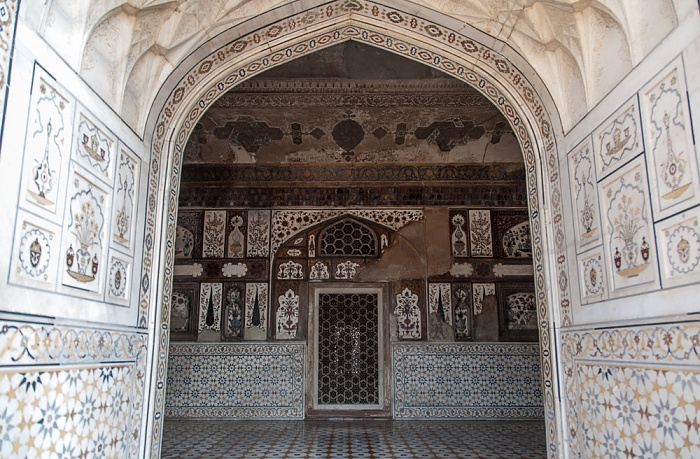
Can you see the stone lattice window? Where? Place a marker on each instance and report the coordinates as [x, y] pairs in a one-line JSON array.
[[348, 238]]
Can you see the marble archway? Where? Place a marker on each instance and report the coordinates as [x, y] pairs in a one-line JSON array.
[[245, 51]]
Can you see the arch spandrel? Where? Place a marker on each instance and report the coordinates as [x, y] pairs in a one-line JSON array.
[[492, 73]]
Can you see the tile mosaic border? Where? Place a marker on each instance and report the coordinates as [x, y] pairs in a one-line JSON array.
[[448, 50], [28, 350], [669, 346], [406, 358], [291, 357]]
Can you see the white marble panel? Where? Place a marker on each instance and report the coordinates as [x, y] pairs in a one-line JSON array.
[[47, 147], [118, 279], [36, 252], [256, 299], [584, 195], [618, 139], [671, 159], [480, 237], [126, 188], [592, 275], [679, 248], [214, 234], [287, 315], [210, 299], [258, 233], [479, 292], [94, 146], [629, 234], [440, 297], [85, 234]]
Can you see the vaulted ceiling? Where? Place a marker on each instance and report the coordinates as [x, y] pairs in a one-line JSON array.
[[579, 48]]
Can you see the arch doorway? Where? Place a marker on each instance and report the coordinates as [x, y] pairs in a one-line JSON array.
[[394, 199], [532, 143]]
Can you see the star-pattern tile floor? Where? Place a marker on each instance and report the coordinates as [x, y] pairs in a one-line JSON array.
[[353, 439]]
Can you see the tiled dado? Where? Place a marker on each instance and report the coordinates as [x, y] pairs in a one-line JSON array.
[[470, 380], [70, 392], [634, 392], [235, 381]]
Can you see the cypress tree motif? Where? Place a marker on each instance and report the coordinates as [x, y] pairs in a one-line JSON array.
[[441, 307], [210, 308], [256, 309]]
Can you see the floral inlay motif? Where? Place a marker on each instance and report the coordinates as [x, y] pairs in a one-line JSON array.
[[288, 315], [408, 315], [480, 240]]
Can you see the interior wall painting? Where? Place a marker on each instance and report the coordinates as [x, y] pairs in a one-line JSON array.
[[256, 300], [440, 300], [408, 315], [210, 298], [670, 155], [184, 317], [462, 311], [235, 245], [512, 230], [458, 233], [47, 146], [679, 248], [618, 139], [629, 234], [517, 312], [258, 244], [480, 239], [214, 234], [584, 195], [188, 235], [84, 237], [232, 317], [287, 315]]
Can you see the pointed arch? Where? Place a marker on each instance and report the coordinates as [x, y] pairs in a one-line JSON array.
[[504, 79]]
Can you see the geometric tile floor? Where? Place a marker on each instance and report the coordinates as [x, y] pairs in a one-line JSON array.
[[352, 439]]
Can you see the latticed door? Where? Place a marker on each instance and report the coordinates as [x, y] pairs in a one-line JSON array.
[[348, 350]]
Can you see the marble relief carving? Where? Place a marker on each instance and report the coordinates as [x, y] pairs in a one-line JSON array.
[[618, 139], [258, 233], [287, 315], [232, 318], [210, 299], [629, 235], [287, 223], [462, 295], [408, 315], [346, 270], [319, 271], [84, 238], [214, 234], [125, 199], [36, 252], [671, 157], [458, 234], [93, 146], [290, 270], [47, 144], [592, 276], [479, 292], [480, 240], [256, 297], [119, 279], [235, 247], [679, 248], [584, 195], [440, 300]]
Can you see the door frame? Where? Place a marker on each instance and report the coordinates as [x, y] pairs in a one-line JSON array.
[[383, 351]]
